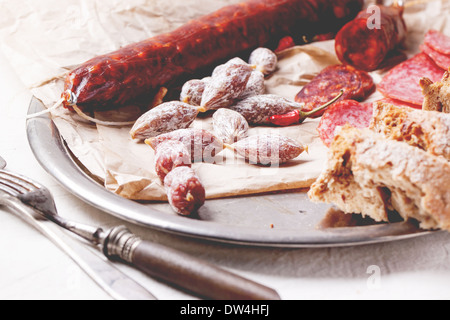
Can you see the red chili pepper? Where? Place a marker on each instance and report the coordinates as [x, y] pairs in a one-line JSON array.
[[298, 116], [285, 43], [285, 120]]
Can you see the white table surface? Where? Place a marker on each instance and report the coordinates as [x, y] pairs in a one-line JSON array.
[[31, 267]]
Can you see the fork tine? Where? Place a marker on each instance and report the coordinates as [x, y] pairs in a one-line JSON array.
[[17, 183]]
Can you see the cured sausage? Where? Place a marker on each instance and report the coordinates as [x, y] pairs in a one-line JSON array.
[[344, 112], [366, 41], [166, 117], [169, 155], [265, 59], [185, 192], [328, 84], [226, 86], [229, 126], [192, 91], [438, 41], [258, 109], [201, 144], [268, 149], [403, 81], [442, 60], [134, 71]]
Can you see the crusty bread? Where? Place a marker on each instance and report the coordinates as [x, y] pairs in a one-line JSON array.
[[436, 95], [373, 176], [428, 130]]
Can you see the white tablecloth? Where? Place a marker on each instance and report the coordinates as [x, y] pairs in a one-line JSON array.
[[31, 267]]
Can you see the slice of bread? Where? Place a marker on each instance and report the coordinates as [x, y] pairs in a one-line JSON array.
[[436, 95], [373, 176], [427, 130]]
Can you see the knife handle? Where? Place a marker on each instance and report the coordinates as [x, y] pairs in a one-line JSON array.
[[180, 269]]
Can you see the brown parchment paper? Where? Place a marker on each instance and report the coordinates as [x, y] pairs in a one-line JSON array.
[[45, 39]]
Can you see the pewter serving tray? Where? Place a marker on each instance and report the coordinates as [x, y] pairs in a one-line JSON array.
[[269, 220]]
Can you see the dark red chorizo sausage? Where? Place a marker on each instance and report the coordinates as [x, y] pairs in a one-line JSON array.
[[365, 41], [123, 76]]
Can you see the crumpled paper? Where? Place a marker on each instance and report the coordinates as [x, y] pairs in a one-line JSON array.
[[45, 41]]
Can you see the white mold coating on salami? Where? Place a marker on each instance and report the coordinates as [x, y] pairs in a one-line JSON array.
[[265, 60], [229, 126], [225, 86], [256, 85], [192, 91], [169, 155], [202, 145], [257, 109], [185, 192], [221, 68], [164, 118], [268, 149]]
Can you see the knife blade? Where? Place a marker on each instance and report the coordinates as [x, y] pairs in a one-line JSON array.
[[109, 278]]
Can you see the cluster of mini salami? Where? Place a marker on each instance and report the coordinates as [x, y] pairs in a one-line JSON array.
[[235, 94], [228, 84], [173, 165], [402, 83], [231, 82], [176, 151]]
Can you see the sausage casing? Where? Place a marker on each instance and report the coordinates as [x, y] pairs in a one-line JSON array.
[[134, 71]]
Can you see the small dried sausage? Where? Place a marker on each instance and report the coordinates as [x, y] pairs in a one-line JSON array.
[[258, 109], [169, 155], [185, 192], [264, 59], [268, 149], [201, 144], [192, 91], [225, 86], [230, 126], [164, 118]]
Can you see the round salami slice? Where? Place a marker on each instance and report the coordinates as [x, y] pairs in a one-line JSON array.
[[442, 60], [344, 112], [438, 41], [328, 84], [368, 84], [403, 81]]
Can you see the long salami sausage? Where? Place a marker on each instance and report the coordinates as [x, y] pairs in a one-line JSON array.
[[366, 41], [123, 76]]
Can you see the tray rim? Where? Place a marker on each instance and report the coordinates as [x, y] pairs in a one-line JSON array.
[[53, 155]]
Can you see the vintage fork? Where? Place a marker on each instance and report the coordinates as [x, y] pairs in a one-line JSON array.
[[113, 281], [119, 244]]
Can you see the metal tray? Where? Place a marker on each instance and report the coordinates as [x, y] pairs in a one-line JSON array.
[[285, 219]]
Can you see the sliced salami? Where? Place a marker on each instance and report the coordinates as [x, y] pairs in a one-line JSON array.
[[344, 112], [368, 85], [403, 81], [327, 85], [399, 103], [442, 60], [438, 41]]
